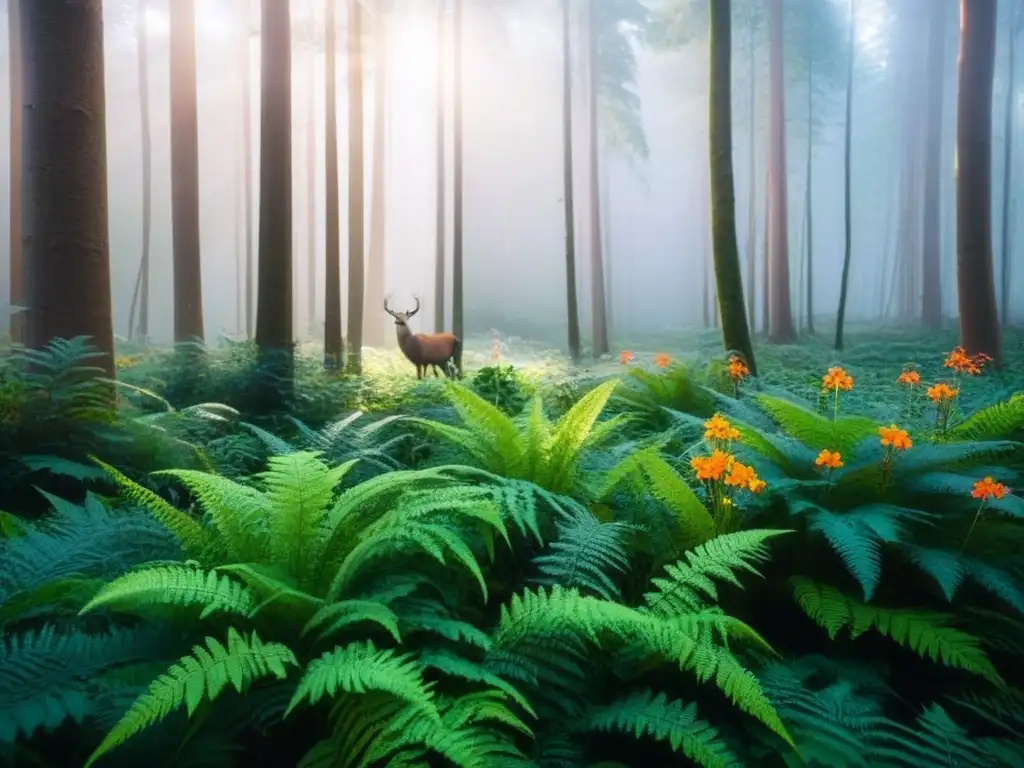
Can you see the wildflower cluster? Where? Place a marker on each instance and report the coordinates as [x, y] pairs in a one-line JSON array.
[[738, 372], [661, 359], [720, 471], [945, 395]]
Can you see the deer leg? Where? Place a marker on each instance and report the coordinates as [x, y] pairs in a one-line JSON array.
[[436, 374], [419, 371]]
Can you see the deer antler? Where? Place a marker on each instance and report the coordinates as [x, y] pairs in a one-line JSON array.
[[386, 308], [413, 312]]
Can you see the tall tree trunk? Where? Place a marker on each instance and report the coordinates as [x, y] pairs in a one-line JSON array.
[[780, 327], [844, 284], [931, 251], [766, 264], [728, 277], [239, 231], [598, 301], [275, 334], [752, 181], [457, 44], [332, 235], [605, 202], [373, 317], [979, 320], [64, 180], [1017, 20], [311, 178], [188, 283], [440, 223], [140, 299], [250, 266], [356, 188], [14, 68], [567, 194], [809, 212]]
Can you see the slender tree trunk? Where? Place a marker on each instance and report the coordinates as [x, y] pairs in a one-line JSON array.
[[766, 264], [847, 171], [606, 239], [728, 277], [64, 179], [239, 244], [780, 327], [809, 231], [752, 191], [250, 266], [332, 236], [356, 188], [275, 334], [440, 223], [140, 299], [188, 283], [598, 301], [931, 251], [14, 65], [457, 43], [311, 177], [979, 320], [567, 195], [1017, 18], [373, 317]]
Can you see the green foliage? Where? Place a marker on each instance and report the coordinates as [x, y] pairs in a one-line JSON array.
[[501, 385]]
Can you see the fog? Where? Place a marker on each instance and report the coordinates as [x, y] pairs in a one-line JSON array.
[[657, 209]]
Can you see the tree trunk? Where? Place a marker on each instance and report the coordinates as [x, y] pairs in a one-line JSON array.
[[1017, 19], [844, 284], [780, 325], [439, 232], [373, 317], [605, 202], [140, 299], [250, 266], [311, 178], [766, 265], [752, 191], [356, 188], [64, 180], [274, 320], [188, 283], [332, 236], [14, 64], [728, 278], [598, 301], [979, 320], [809, 212], [931, 255], [457, 320], [567, 194], [239, 230]]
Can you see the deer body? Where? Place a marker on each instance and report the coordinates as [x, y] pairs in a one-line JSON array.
[[427, 349]]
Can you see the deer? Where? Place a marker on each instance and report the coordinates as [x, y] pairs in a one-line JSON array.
[[427, 349]]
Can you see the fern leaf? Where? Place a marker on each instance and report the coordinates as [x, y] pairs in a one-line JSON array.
[[815, 430], [338, 616], [998, 421]]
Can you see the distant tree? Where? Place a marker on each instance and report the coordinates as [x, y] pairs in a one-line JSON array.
[[250, 266], [780, 321], [728, 278], [1016, 30], [274, 320], [567, 194], [373, 318], [979, 320], [931, 246], [356, 189], [598, 304], [844, 284], [188, 282], [440, 221], [64, 181], [457, 45], [140, 298], [311, 174], [332, 233], [14, 70]]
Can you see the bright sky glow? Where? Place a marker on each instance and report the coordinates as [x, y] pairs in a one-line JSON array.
[[211, 22]]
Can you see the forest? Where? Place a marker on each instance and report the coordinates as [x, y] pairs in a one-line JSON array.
[[512, 383]]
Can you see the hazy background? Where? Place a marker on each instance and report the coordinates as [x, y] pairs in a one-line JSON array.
[[658, 211]]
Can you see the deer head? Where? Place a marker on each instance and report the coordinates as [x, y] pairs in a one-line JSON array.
[[401, 318]]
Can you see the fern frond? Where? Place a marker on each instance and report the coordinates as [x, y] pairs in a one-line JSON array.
[[997, 421], [815, 430], [337, 616]]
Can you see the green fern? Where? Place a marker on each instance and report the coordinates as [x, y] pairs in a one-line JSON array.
[[815, 430], [1001, 420]]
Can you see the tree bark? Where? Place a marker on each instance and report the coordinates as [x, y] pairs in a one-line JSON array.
[[1016, 24], [188, 283], [356, 189], [847, 172], [457, 43], [780, 319], [373, 317], [752, 181], [332, 233], [141, 297], [572, 307], [440, 223], [728, 277], [250, 266], [931, 256], [311, 178], [979, 320], [274, 319], [809, 213], [14, 65], [64, 177], [598, 303]]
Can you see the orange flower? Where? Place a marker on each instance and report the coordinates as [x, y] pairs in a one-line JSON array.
[[988, 489], [711, 467], [837, 379], [961, 362], [662, 360], [895, 438], [939, 392], [757, 485], [737, 370], [742, 476], [830, 459], [626, 357], [909, 377], [717, 428]]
